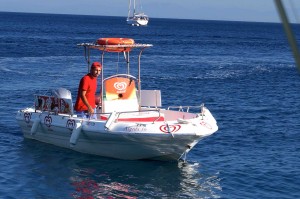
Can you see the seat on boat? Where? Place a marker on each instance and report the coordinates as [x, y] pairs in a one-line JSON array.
[[119, 95], [151, 98]]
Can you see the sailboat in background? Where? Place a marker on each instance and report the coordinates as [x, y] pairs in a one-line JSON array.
[[135, 16]]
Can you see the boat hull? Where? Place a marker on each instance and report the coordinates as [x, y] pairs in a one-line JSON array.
[[121, 140], [137, 22]]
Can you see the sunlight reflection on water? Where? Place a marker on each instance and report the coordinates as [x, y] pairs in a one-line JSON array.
[[136, 179]]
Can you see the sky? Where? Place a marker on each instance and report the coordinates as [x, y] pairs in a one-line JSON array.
[[229, 10]]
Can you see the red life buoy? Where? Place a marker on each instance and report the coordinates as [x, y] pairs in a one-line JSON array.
[[116, 42]]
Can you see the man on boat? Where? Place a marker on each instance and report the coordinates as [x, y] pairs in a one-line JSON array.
[[85, 103]]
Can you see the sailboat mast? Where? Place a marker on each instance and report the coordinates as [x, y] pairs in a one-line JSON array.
[[133, 7], [129, 8]]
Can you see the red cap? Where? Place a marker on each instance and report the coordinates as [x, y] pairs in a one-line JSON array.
[[96, 65]]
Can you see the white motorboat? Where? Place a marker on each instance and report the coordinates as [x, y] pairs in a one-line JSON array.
[[131, 123], [136, 17]]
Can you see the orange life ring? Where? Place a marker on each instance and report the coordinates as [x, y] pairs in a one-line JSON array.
[[115, 41]]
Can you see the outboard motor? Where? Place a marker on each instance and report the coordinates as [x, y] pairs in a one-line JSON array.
[[62, 93]]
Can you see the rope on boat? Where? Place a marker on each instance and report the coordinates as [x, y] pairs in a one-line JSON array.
[[182, 157], [169, 131]]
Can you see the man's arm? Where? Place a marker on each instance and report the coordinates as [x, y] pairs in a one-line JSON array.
[[85, 101]]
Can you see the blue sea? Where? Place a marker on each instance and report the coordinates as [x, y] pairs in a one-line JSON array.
[[244, 73]]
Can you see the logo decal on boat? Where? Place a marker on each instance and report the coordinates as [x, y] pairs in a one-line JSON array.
[[70, 124], [48, 120], [172, 128], [136, 129], [120, 86], [27, 117], [205, 124]]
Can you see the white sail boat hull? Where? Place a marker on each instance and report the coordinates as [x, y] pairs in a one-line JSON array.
[[137, 21]]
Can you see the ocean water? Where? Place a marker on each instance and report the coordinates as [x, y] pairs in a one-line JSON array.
[[243, 72]]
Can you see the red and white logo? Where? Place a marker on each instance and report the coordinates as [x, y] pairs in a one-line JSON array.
[[120, 86], [205, 124], [172, 128]]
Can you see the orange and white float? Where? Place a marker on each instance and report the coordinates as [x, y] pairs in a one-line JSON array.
[[115, 44]]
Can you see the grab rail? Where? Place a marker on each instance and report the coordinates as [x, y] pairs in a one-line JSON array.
[[158, 111], [120, 75], [117, 114], [187, 108]]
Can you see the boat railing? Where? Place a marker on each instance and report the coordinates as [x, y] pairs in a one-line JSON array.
[[131, 117], [103, 47], [155, 118], [120, 75], [188, 108]]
